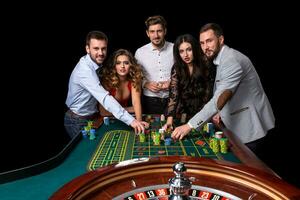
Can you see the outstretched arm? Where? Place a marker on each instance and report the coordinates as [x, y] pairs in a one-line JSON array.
[[232, 75], [104, 112]]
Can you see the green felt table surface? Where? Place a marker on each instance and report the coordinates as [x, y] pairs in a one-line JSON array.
[[120, 143], [43, 185]]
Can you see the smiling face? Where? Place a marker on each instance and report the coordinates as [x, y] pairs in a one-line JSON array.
[[186, 52], [122, 65], [97, 49], [156, 34]]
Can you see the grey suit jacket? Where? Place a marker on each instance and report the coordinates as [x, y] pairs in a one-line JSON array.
[[248, 114]]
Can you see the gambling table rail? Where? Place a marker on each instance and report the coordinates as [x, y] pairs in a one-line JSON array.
[[211, 180], [42, 180]]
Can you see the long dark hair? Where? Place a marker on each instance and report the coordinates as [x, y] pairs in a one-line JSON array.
[[198, 63], [192, 87], [199, 66]]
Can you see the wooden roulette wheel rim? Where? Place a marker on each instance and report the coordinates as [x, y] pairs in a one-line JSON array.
[[236, 179]]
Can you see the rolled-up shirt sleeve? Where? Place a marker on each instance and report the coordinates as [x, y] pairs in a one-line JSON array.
[[90, 82]]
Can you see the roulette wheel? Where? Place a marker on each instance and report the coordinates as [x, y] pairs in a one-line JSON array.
[[194, 178]]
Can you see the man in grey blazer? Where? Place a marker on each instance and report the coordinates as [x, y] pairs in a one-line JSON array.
[[239, 99]]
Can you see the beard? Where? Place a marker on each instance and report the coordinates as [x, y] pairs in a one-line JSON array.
[[211, 57], [158, 42], [214, 53], [98, 60]]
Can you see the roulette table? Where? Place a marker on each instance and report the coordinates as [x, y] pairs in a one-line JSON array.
[[86, 167], [122, 167]]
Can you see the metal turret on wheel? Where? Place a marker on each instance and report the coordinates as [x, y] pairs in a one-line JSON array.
[[179, 185]]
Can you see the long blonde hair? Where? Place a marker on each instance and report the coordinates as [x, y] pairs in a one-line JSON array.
[[109, 77]]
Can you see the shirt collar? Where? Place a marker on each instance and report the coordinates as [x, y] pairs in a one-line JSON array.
[[217, 60], [95, 65], [161, 49]]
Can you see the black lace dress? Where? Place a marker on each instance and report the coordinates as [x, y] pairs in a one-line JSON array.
[[189, 95]]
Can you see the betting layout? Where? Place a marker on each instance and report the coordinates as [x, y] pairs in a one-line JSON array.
[[119, 145]]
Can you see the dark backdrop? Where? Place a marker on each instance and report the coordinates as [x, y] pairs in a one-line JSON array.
[[42, 48]]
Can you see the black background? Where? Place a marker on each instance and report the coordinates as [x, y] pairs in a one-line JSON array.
[[41, 47]]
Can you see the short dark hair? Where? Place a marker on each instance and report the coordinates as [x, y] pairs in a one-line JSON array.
[[213, 26], [95, 35], [157, 19]]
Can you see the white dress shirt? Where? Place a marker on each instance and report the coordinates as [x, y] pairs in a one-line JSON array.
[[156, 65]]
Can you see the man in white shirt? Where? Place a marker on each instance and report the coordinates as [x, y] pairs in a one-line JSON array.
[[156, 59], [85, 90]]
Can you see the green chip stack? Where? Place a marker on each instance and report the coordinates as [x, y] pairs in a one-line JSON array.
[[215, 145], [211, 143], [142, 137], [156, 138], [224, 145]]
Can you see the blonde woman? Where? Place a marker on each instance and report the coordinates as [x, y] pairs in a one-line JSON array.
[[122, 77]]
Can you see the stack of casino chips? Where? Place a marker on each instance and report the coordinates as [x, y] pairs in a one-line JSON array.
[[142, 137], [155, 137], [218, 143], [224, 145], [106, 121], [214, 144], [168, 141], [92, 134], [84, 133], [89, 131], [209, 129], [162, 133]]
